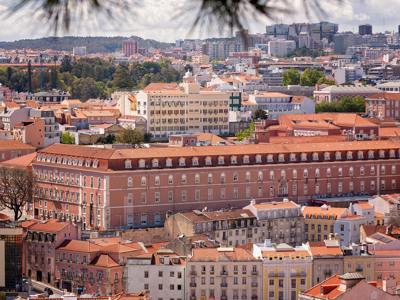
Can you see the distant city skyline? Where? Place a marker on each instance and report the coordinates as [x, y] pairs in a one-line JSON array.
[[163, 21]]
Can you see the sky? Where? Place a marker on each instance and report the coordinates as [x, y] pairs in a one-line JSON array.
[[169, 20]]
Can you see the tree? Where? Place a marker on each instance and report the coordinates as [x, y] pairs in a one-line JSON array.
[[29, 76], [17, 188], [121, 78], [260, 114], [347, 104], [310, 77], [85, 88], [66, 65], [130, 136], [324, 80], [246, 134], [67, 138], [291, 77]]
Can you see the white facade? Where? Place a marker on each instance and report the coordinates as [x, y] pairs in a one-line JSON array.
[[164, 279], [348, 229], [281, 48]]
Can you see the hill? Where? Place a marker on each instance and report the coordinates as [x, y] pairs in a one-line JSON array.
[[93, 44]]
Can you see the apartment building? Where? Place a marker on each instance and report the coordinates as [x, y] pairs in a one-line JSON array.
[[286, 270], [388, 205], [13, 149], [364, 209], [229, 228], [319, 222], [41, 242], [223, 273], [280, 222], [10, 117], [120, 188], [347, 229], [162, 273], [357, 259], [383, 105], [94, 266], [327, 259], [172, 109]]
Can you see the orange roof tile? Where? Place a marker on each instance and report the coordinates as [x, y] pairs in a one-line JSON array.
[[22, 161], [276, 205], [49, 226], [320, 249], [79, 246], [104, 261], [336, 212], [221, 254], [330, 287]]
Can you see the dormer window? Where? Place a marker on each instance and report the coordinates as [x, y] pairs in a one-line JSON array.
[[182, 162], [293, 157], [208, 161], [95, 163], [327, 156], [392, 154], [270, 158], [381, 153], [142, 163], [360, 155], [87, 163], [338, 155], [195, 161], [315, 156], [155, 163], [258, 159], [246, 159], [233, 160], [128, 164], [371, 154], [281, 157], [221, 160], [304, 157], [168, 163], [349, 155]]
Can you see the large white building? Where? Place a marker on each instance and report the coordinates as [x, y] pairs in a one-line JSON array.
[[172, 109]]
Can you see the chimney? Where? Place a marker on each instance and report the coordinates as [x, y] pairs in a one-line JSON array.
[[348, 280], [252, 202]]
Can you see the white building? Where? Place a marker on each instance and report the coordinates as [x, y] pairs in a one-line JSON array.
[[365, 210], [281, 48], [163, 274], [348, 229]]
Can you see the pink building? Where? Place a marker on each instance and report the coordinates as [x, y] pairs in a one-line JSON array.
[[119, 188], [13, 149], [95, 266], [41, 241]]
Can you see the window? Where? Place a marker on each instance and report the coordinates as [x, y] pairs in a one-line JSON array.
[[270, 158], [142, 163], [248, 176], [157, 197], [233, 160], [197, 178], [315, 156], [170, 196], [381, 154], [197, 195], [210, 178], [128, 164], [130, 181], [260, 176], [182, 162], [393, 169], [304, 157], [351, 186], [183, 179], [340, 187], [281, 158], [351, 171], [246, 159], [271, 175], [154, 163], [183, 195], [157, 180], [371, 154], [294, 174], [292, 157], [338, 155], [168, 163], [349, 155], [195, 161], [222, 178], [143, 180], [327, 156], [221, 160], [258, 158], [305, 173], [360, 155], [362, 171], [317, 173], [235, 177], [170, 179], [328, 172], [208, 161], [362, 186], [340, 172], [383, 170], [372, 170]]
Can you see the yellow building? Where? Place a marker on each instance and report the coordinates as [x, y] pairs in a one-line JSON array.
[[364, 264], [286, 270], [172, 109], [319, 221]]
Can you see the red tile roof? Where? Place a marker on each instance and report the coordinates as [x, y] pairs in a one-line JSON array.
[[52, 226], [221, 255], [327, 289], [104, 261]]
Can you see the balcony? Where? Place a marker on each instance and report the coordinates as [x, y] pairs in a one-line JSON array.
[[224, 273], [224, 284], [254, 272], [254, 284], [193, 284]]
